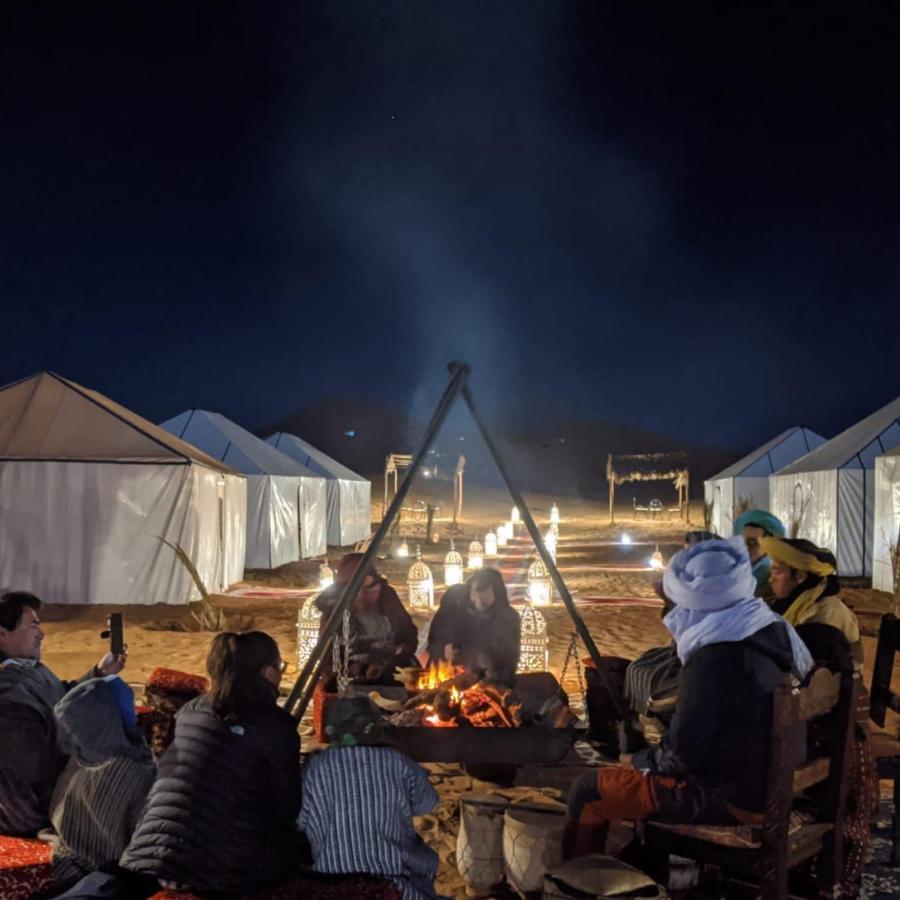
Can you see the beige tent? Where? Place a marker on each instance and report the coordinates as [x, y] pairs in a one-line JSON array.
[[88, 488]]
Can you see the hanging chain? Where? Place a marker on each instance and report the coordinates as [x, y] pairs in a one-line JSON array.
[[572, 654], [343, 673]]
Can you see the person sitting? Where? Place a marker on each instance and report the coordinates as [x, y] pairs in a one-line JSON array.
[[476, 628], [359, 797], [806, 589], [30, 758], [753, 525], [221, 813], [711, 765], [100, 795], [382, 633]]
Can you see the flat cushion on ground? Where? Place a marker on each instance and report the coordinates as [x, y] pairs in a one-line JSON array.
[[25, 867], [175, 682], [311, 887]]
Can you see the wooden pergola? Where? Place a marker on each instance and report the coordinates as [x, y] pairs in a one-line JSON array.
[[673, 467]]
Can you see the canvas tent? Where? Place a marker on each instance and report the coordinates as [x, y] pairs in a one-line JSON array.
[[745, 483], [285, 501], [88, 488], [886, 535], [349, 494], [828, 496]]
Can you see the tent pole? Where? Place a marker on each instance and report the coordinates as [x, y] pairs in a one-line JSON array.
[[309, 675]]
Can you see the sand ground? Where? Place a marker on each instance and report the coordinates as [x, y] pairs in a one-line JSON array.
[[598, 569]]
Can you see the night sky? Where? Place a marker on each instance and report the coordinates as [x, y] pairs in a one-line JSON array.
[[680, 217]]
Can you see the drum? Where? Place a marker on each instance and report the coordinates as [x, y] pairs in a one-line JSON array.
[[532, 843], [479, 844]]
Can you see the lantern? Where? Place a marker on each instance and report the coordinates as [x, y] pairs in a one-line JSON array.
[[453, 567], [476, 556], [540, 588], [625, 539], [490, 545], [502, 535], [514, 517], [403, 551], [656, 559], [550, 544], [419, 584], [307, 630], [554, 515], [533, 646], [326, 576]]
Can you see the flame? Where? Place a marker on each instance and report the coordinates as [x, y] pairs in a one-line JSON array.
[[435, 676], [435, 721], [455, 695]]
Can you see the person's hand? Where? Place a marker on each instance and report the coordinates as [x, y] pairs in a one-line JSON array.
[[625, 759], [112, 665]]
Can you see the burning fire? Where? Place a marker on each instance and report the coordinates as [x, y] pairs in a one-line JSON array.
[[435, 675]]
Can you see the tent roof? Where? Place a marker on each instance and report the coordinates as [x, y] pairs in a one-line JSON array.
[[764, 460], [47, 417], [857, 447], [646, 466], [236, 446], [311, 457]]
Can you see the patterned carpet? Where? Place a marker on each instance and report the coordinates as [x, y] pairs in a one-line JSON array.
[[880, 881]]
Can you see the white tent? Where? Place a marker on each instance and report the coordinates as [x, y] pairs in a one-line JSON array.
[[285, 501], [349, 494], [887, 519], [746, 482], [88, 488], [829, 494]]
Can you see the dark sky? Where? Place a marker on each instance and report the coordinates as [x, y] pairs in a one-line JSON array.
[[682, 217]]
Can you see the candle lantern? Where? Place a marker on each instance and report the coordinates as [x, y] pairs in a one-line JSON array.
[[307, 630], [419, 584], [514, 516], [533, 652], [656, 559], [453, 567], [502, 536], [403, 550], [540, 588], [476, 556], [554, 515], [326, 576], [490, 545]]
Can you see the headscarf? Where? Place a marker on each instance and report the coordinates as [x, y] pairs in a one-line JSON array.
[[711, 585], [761, 519], [804, 556]]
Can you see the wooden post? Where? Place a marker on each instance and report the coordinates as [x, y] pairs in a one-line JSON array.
[[687, 497], [612, 501]]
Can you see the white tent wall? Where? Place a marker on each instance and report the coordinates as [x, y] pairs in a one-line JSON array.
[[363, 491], [719, 493], [83, 532], [313, 504], [273, 521], [886, 530], [234, 529], [811, 498]]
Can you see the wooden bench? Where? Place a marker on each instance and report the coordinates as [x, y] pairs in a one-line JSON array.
[[885, 746], [765, 854]]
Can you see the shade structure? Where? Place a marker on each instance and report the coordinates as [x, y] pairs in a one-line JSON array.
[[828, 495], [88, 488], [745, 483], [349, 495], [285, 501], [886, 535]]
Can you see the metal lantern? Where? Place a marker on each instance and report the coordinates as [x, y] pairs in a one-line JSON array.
[[502, 535], [554, 515], [656, 559], [453, 567], [419, 584], [490, 545], [514, 516], [476, 556], [550, 544], [533, 648], [403, 551], [307, 630], [540, 587], [326, 576]]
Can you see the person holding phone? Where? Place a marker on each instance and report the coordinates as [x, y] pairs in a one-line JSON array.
[[30, 757]]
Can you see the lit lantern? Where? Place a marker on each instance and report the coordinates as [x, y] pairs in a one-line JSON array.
[[307, 630], [514, 517], [533, 645], [550, 544], [419, 584], [326, 576], [540, 588], [453, 567], [625, 539], [502, 536], [403, 551], [656, 559], [476, 556], [490, 545], [554, 515]]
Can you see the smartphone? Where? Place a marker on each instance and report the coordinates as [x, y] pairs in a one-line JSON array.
[[116, 634]]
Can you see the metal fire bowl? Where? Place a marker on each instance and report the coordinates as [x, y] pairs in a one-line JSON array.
[[466, 745]]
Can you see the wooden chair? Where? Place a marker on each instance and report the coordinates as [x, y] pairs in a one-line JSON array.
[[765, 854], [885, 746]]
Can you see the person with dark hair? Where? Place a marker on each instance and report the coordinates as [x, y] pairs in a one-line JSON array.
[[30, 758], [382, 633], [753, 525], [359, 798], [475, 627], [100, 796], [221, 814]]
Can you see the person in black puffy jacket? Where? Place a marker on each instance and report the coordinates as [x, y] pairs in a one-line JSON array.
[[221, 814]]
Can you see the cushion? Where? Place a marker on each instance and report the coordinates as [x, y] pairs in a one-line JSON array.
[[173, 681], [311, 887], [25, 867]]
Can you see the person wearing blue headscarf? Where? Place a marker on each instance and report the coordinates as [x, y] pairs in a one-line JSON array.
[[753, 525], [711, 766]]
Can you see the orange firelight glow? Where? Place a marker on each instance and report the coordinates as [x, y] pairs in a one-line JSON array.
[[436, 675]]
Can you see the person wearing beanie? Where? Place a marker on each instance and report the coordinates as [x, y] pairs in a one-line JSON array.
[[711, 765], [753, 525]]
